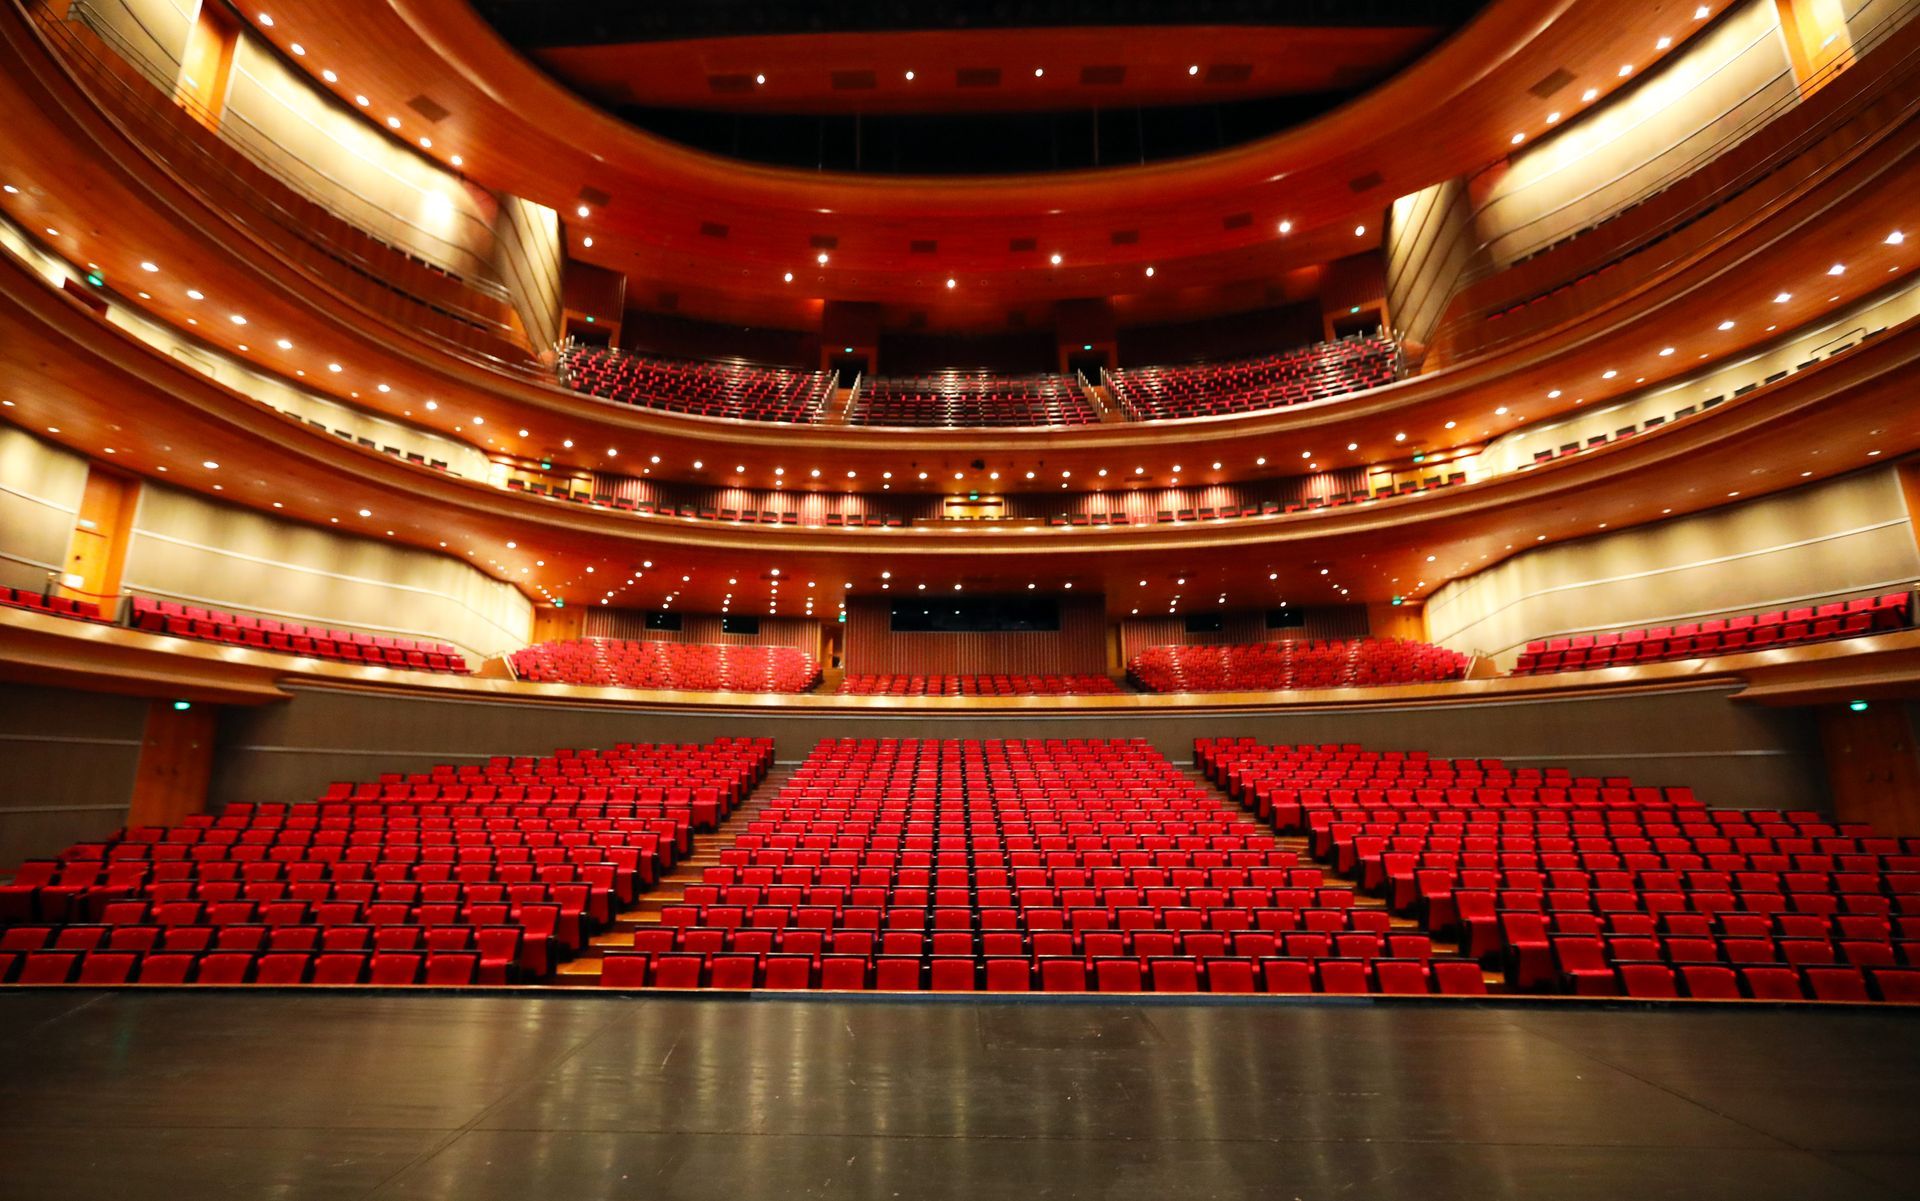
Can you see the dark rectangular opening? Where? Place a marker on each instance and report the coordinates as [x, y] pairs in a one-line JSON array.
[[663, 621]]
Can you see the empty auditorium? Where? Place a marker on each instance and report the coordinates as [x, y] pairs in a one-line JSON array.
[[1158, 599]]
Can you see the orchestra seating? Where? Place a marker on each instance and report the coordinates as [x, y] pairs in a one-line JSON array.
[[957, 398], [480, 873], [1720, 636], [1273, 381], [290, 637], [738, 390], [1267, 666], [58, 606], [1597, 887], [1017, 866], [907, 685], [698, 666]]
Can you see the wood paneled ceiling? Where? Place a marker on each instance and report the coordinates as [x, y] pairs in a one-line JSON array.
[[646, 201]]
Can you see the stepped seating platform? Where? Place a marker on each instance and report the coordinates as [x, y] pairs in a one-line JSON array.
[[1272, 666], [739, 391], [57, 606], [1009, 866], [1595, 886], [1720, 636], [471, 874], [699, 666], [967, 399], [1319, 372]]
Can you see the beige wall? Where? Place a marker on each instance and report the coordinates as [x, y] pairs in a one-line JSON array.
[[1429, 245], [40, 489], [529, 255], [151, 33], [1843, 537], [1596, 165], [333, 155], [199, 552]]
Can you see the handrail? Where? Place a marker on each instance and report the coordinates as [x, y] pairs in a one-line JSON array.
[[189, 159], [1748, 176]]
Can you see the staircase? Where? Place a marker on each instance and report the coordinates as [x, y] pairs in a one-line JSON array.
[[584, 968]]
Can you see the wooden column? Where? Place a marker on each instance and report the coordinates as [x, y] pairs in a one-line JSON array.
[[97, 551], [558, 624], [1873, 768], [1818, 43], [1397, 621], [206, 64], [176, 764]]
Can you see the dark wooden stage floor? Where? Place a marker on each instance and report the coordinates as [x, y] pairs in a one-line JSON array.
[[347, 1095]]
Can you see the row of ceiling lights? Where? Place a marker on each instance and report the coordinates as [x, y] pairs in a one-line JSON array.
[[393, 123], [1626, 69]]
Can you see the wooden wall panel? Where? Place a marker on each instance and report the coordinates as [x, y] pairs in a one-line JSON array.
[[69, 761], [1429, 245], [97, 554], [528, 257], [1873, 764], [1245, 626], [798, 632], [1732, 754], [175, 766], [1077, 647]]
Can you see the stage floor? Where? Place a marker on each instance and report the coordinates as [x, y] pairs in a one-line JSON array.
[[298, 1095]]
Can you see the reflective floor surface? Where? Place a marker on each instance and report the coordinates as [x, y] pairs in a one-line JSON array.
[[363, 1095]]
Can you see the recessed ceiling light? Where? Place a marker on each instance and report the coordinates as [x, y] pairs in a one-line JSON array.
[[1893, 239], [195, 294], [1783, 298], [1702, 13], [1359, 231], [1517, 138], [909, 76], [1286, 227], [1590, 95], [760, 79], [1056, 260], [953, 283], [210, 465], [1039, 71], [1837, 269], [362, 101], [144, 266], [1663, 43], [298, 49], [1726, 325], [821, 258], [457, 161], [329, 76], [1194, 70], [1626, 69], [1665, 351], [1149, 272], [1553, 118]]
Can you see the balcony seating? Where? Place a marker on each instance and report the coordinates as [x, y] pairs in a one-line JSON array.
[[959, 398], [290, 637], [1274, 381], [1268, 666], [909, 685], [1594, 886], [1720, 636], [1018, 866], [58, 606], [739, 391], [458, 875], [695, 666]]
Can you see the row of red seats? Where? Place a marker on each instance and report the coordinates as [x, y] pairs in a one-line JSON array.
[[698, 666], [106, 969], [1006, 974], [264, 633], [979, 685], [1593, 885], [740, 391], [1317, 372], [1268, 666], [1719, 636], [967, 399], [59, 606], [342, 875]]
